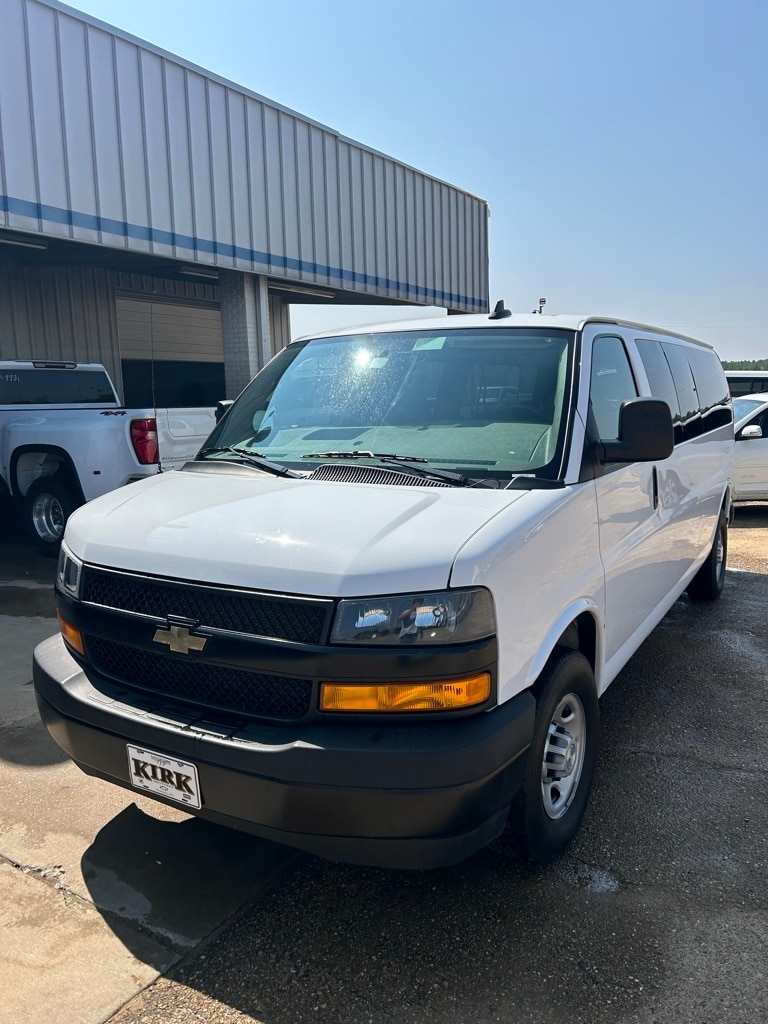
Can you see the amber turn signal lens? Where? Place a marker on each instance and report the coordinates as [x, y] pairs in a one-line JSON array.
[[71, 634], [448, 695]]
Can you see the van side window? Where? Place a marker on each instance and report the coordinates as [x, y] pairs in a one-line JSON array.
[[660, 379], [612, 383], [686, 390], [712, 388]]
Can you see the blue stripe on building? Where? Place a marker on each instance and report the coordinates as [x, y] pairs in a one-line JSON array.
[[92, 222]]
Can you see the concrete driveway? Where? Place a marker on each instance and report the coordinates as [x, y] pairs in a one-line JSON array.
[[657, 913]]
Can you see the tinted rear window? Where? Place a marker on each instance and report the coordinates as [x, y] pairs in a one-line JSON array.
[[712, 387], [660, 379], [686, 390], [29, 386]]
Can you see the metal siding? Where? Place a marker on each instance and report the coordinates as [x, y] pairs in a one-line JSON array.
[[346, 250], [108, 172], [358, 214], [201, 173], [77, 119], [456, 218], [241, 220], [289, 206], [332, 202], [318, 185], [222, 191], [257, 177], [390, 220], [400, 238], [156, 153], [367, 219], [305, 202], [445, 229], [380, 221], [429, 242], [275, 236], [16, 143], [410, 233], [59, 313], [179, 166], [50, 167], [115, 142], [132, 142]]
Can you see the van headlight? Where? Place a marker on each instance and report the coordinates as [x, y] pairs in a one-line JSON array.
[[68, 573], [444, 617]]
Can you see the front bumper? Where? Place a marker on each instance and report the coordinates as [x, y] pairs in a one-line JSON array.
[[407, 795]]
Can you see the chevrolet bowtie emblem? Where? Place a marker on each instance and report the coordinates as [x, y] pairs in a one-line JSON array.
[[179, 639]]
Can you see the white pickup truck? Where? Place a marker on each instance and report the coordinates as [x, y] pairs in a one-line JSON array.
[[65, 439]]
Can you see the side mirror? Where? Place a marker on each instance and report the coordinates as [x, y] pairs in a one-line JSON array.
[[750, 432], [646, 433], [222, 407]]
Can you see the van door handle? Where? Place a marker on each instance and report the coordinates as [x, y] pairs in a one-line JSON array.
[[655, 477]]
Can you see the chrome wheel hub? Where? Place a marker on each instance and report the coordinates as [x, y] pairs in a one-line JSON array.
[[563, 756], [48, 517]]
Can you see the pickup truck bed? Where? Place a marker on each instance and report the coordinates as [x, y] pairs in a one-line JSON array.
[[65, 439]]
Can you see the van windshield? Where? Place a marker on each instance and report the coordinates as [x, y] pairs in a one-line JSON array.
[[483, 402]]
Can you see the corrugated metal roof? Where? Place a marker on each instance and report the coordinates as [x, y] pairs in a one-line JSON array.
[[107, 139]]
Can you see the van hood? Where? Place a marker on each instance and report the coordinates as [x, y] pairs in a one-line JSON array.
[[315, 538]]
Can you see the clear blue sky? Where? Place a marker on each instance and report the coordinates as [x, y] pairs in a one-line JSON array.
[[622, 146]]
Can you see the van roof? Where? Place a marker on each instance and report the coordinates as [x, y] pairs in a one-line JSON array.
[[566, 321]]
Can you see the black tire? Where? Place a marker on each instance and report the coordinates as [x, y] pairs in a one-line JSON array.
[[48, 504], [707, 584], [549, 808]]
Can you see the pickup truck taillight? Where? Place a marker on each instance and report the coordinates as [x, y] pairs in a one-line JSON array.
[[144, 441]]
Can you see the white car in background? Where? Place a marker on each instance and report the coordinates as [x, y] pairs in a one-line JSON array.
[[750, 472]]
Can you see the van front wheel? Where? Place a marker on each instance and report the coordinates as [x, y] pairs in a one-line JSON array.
[[561, 762], [707, 584]]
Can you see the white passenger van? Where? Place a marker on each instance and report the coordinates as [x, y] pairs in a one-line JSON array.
[[373, 618]]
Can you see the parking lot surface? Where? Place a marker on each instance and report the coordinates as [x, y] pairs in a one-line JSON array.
[[114, 908]]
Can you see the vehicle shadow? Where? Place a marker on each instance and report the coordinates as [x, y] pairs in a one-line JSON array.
[[173, 882], [627, 925], [27, 744], [753, 516]]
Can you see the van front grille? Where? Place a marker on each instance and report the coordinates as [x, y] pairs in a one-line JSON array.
[[198, 683], [239, 611]]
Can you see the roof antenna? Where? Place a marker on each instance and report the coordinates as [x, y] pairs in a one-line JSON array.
[[500, 311], [542, 304]]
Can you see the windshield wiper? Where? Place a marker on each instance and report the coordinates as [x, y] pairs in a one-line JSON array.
[[457, 479], [252, 458]]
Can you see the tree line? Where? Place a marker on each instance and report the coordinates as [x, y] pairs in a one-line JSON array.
[[745, 364]]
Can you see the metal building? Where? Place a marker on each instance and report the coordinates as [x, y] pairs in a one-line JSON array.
[[152, 211]]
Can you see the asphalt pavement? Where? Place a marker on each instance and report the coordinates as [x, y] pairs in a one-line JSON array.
[[114, 908]]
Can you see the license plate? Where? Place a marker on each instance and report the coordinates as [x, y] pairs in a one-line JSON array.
[[164, 776]]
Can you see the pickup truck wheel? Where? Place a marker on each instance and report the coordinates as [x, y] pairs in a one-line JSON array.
[[47, 506], [561, 762], [707, 584]]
